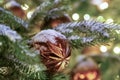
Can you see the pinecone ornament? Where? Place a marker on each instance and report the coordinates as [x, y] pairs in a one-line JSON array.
[[85, 69], [54, 49]]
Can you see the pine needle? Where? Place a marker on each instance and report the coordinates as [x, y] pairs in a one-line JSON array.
[[88, 32]]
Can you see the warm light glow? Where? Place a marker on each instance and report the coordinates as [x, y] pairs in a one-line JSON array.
[[103, 6], [100, 18], [103, 48], [118, 76], [25, 7], [86, 16], [0, 43], [91, 75], [29, 14], [116, 50], [82, 76], [109, 20], [75, 16], [76, 76]]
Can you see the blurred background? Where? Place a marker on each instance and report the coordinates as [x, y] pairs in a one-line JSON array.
[[107, 11]]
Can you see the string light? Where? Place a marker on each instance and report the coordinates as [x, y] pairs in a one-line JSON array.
[[25, 7], [82, 76], [0, 43], [118, 77], [91, 75], [103, 6], [116, 50], [100, 4], [103, 48], [75, 16], [86, 17], [100, 18]]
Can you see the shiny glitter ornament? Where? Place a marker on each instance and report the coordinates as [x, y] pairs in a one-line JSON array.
[[54, 49], [86, 69]]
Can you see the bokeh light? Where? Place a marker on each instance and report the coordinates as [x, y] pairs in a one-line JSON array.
[[86, 17], [75, 16], [103, 48]]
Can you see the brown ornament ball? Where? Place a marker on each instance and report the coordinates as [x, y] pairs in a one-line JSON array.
[[54, 18], [86, 69], [15, 8], [55, 22], [54, 49]]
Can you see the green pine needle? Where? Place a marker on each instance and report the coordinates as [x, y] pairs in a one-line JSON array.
[[10, 20], [89, 32]]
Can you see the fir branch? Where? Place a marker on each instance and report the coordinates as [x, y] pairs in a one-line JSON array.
[[26, 70], [56, 13], [5, 70], [42, 10], [21, 63], [103, 57], [88, 32], [11, 34], [19, 57], [10, 20]]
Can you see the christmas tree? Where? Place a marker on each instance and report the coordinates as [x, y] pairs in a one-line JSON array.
[[40, 41]]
